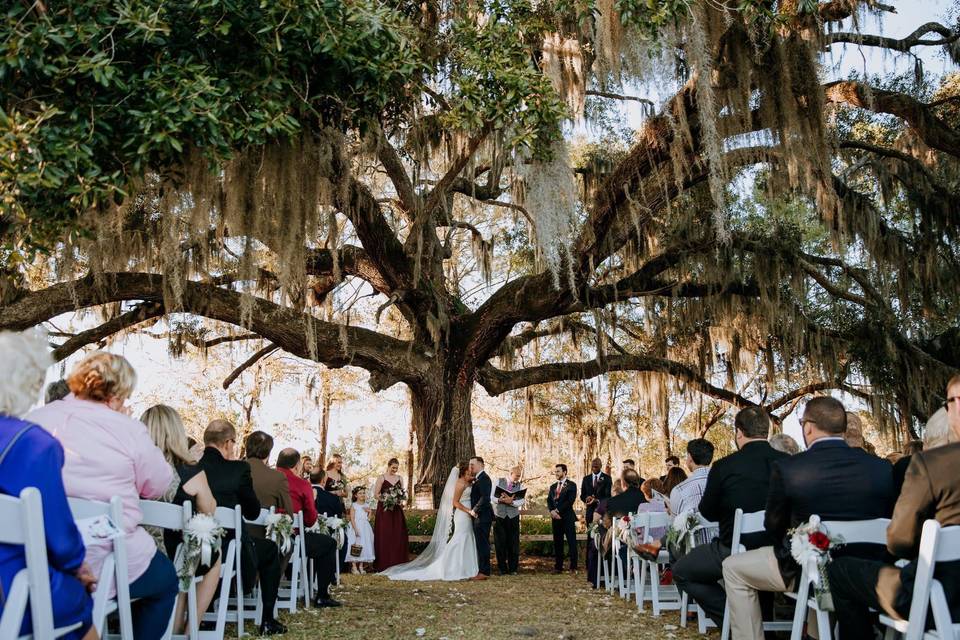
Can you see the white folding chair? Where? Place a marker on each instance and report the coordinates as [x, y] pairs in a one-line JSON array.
[[22, 520], [937, 544], [231, 520], [852, 532], [700, 535], [661, 597], [174, 517], [114, 574], [603, 569], [743, 524], [295, 588]]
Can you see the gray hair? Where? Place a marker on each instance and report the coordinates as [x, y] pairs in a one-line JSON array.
[[26, 357]]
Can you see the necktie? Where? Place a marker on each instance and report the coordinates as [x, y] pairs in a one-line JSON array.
[[510, 486], [558, 490]]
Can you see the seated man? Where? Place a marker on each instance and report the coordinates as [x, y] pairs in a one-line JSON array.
[[830, 479], [232, 485], [320, 548], [739, 481], [686, 495], [269, 484], [328, 504], [630, 499], [931, 489]]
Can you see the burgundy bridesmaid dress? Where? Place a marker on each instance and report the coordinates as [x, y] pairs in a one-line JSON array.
[[390, 541]]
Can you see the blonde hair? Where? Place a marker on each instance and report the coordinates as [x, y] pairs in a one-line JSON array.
[[167, 432], [101, 376], [26, 357]]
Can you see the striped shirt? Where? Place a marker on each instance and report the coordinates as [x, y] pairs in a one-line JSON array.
[[686, 495]]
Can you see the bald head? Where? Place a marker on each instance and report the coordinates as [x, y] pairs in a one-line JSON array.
[[288, 458]]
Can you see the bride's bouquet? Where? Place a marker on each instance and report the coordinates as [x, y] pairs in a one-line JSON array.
[[393, 497], [201, 539], [810, 546], [280, 530]]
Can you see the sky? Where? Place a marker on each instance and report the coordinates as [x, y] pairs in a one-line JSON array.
[[161, 377]]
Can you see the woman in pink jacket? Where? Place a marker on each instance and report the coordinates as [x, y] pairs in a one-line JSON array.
[[110, 454]]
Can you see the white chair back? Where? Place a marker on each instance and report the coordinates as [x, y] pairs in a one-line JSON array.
[[859, 531], [937, 544], [22, 520], [744, 524], [165, 515]]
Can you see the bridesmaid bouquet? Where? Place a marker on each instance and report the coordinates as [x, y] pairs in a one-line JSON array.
[[201, 539], [394, 496]]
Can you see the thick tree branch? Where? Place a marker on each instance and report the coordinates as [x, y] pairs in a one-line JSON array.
[[934, 131], [390, 159], [915, 39], [140, 313], [299, 334]]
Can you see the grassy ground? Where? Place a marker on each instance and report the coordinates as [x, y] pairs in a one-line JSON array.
[[533, 604]]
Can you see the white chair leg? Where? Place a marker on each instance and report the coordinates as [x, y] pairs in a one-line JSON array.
[[725, 630], [655, 588], [684, 603], [800, 611], [823, 625], [701, 620]]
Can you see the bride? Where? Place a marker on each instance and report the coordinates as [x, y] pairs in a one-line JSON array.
[[447, 557]]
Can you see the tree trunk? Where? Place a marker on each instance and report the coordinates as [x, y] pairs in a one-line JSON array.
[[665, 433], [441, 420], [326, 400]]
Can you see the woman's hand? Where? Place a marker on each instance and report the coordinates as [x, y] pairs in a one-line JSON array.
[[86, 578]]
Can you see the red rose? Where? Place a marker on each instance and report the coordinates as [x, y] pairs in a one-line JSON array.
[[626, 518], [820, 540]]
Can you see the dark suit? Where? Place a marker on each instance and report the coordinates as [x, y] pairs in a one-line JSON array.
[[480, 504], [231, 484], [626, 502], [600, 490], [830, 479], [738, 481], [931, 490], [331, 505], [561, 499]]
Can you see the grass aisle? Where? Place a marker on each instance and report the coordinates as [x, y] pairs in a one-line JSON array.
[[534, 604]]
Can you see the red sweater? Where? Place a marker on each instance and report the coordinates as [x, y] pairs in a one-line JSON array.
[[301, 495]]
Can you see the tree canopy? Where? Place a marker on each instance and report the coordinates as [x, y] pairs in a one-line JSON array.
[[402, 187]]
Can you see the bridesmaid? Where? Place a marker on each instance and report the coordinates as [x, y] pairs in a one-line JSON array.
[[390, 539], [336, 482]]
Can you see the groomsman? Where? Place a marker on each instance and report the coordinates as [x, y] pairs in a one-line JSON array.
[[563, 493], [506, 527], [596, 486]]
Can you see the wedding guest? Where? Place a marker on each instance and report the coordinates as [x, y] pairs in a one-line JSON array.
[[359, 533], [232, 484], [652, 490], [675, 476], [320, 548], [336, 482], [738, 481], [596, 486], [786, 444], [560, 499], [506, 526], [830, 479], [190, 484], [630, 499], [931, 490], [391, 541], [619, 486], [686, 495], [900, 466], [31, 457], [307, 464], [110, 454], [271, 485], [56, 390], [328, 504]]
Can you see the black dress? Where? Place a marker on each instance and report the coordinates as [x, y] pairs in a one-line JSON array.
[[172, 539]]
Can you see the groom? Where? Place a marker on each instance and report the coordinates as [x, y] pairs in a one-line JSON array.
[[482, 512]]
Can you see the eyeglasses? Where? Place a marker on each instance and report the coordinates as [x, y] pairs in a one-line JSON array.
[[946, 405]]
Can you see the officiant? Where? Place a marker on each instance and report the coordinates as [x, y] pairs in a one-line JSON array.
[[508, 499]]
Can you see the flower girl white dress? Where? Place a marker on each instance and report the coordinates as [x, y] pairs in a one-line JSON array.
[[365, 536]]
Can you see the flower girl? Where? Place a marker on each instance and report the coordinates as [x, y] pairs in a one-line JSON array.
[[359, 533]]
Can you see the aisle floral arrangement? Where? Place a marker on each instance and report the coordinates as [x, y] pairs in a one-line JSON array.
[[332, 526], [678, 534], [202, 537], [280, 530], [810, 546]]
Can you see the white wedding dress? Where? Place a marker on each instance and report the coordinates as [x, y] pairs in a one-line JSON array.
[[446, 557]]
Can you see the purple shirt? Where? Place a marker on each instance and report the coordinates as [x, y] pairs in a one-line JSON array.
[[108, 454]]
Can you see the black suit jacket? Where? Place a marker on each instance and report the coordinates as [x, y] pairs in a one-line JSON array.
[[931, 490], [328, 503], [600, 492], [231, 483], [830, 479], [480, 497], [563, 504], [740, 481], [626, 502]]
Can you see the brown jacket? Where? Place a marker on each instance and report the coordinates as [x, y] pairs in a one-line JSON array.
[[272, 490], [931, 490]]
